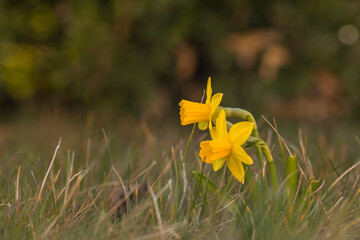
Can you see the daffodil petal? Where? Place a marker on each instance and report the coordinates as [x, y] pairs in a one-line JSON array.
[[213, 133], [239, 153], [217, 164], [221, 129], [204, 148], [236, 168], [208, 91], [203, 125], [215, 102], [240, 132]]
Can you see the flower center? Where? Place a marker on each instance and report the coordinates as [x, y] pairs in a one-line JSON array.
[[215, 149], [192, 112]]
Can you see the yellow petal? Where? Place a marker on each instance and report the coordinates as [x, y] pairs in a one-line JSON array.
[[215, 102], [221, 129], [203, 125], [217, 164], [204, 150], [239, 153], [236, 168], [208, 91], [213, 133], [240, 132]]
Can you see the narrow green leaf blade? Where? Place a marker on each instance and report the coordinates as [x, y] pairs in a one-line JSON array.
[[292, 175], [226, 199]]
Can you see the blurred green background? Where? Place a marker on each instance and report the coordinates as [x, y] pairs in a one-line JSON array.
[[294, 60]]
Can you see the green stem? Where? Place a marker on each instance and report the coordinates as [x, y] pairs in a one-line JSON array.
[[254, 141], [257, 142]]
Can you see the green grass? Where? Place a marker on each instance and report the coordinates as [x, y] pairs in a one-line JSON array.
[[71, 193]]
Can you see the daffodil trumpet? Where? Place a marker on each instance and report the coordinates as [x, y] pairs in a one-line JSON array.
[[246, 115], [201, 113], [225, 146], [254, 141]]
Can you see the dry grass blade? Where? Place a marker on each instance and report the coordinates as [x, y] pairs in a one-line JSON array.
[[123, 186], [337, 203], [308, 165], [47, 173], [342, 175], [17, 194], [31, 223], [147, 169], [282, 139], [68, 185], [162, 172], [157, 211]]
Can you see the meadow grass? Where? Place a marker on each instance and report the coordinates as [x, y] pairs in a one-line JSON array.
[[105, 187]]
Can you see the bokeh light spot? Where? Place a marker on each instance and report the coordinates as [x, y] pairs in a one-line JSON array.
[[348, 34]]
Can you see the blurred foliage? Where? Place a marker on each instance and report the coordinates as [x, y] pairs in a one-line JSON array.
[[133, 55]]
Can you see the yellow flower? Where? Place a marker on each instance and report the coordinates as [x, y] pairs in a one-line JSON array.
[[193, 112], [226, 146]]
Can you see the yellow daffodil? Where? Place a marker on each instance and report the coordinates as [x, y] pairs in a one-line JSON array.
[[226, 146], [193, 112]]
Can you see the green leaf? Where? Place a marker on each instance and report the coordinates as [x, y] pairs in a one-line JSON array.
[[292, 176], [307, 194], [226, 199]]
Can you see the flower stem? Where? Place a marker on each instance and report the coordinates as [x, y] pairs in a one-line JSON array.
[[254, 141]]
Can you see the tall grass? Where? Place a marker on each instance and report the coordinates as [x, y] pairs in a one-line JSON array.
[[100, 192]]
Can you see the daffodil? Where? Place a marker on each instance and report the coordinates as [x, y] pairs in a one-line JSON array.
[[226, 146], [202, 113]]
